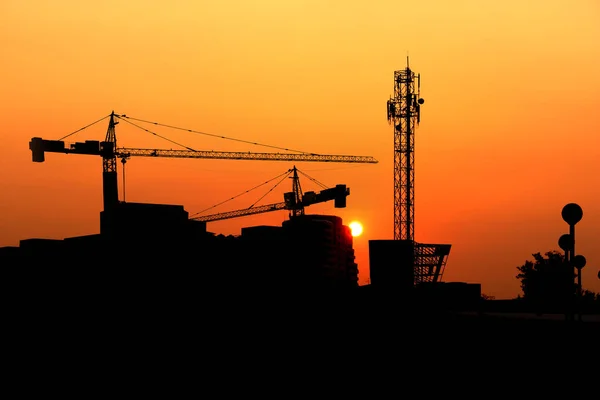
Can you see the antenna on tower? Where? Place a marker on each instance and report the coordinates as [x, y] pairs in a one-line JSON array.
[[404, 110], [404, 114]]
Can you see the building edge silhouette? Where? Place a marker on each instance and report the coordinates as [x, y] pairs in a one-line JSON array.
[[154, 250], [152, 259]]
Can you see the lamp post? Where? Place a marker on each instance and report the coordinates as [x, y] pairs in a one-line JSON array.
[[572, 214], [566, 243], [579, 262]]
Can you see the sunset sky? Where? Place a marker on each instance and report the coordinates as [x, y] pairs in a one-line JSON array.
[[509, 129]]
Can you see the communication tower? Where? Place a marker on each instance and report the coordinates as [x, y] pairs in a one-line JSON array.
[[404, 113]]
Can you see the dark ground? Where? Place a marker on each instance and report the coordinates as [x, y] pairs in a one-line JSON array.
[[158, 320], [274, 344]]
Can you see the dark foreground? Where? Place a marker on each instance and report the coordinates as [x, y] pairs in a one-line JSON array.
[[105, 331], [173, 318]]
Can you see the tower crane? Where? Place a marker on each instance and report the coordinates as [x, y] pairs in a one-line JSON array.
[[294, 201], [109, 152]]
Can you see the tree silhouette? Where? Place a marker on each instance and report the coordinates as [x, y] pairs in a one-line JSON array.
[[590, 301], [588, 296], [547, 282]]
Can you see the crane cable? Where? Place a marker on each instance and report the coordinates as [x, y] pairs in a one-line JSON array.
[[284, 175], [156, 134], [87, 126], [270, 190], [313, 179], [125, 118], [214, 135]]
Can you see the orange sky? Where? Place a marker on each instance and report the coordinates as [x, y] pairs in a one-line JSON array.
[[508, 135]]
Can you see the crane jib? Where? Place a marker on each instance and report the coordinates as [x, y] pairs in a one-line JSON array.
[[241, 155], [39, 146]]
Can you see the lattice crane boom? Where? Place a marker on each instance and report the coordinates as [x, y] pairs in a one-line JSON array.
[[242, 213], [240, 155], [294, 201], [91, 147]]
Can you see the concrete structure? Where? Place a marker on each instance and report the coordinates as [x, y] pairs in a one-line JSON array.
[[391, 264]]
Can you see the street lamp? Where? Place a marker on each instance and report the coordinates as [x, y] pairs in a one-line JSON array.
[[572, 214], [565, 243]]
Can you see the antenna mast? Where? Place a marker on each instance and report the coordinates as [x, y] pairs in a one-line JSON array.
[[403, 112]]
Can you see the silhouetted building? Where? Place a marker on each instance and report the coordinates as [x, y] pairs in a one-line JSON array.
[[157, 249], [323, 250], [165, 221], [406, 272], [391, 265], [9, 256], [450, 295]]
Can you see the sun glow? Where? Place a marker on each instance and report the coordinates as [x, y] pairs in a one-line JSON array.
[[356, 228]]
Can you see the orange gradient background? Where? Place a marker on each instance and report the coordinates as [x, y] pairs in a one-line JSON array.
[[508, 135]]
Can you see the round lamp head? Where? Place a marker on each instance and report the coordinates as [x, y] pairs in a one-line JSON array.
[[572, 213], [565, 242], [579, 261]]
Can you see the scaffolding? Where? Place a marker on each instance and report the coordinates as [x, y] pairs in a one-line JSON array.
[[430, 262]]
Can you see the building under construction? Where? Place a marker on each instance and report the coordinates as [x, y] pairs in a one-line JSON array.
[[161, 248], [155, 249], [159, 245]]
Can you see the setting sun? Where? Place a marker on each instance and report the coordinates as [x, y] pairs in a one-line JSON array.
[[356, 228]]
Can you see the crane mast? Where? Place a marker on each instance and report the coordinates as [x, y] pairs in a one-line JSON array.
[[403, 112], [296, 195], [110, 191]]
